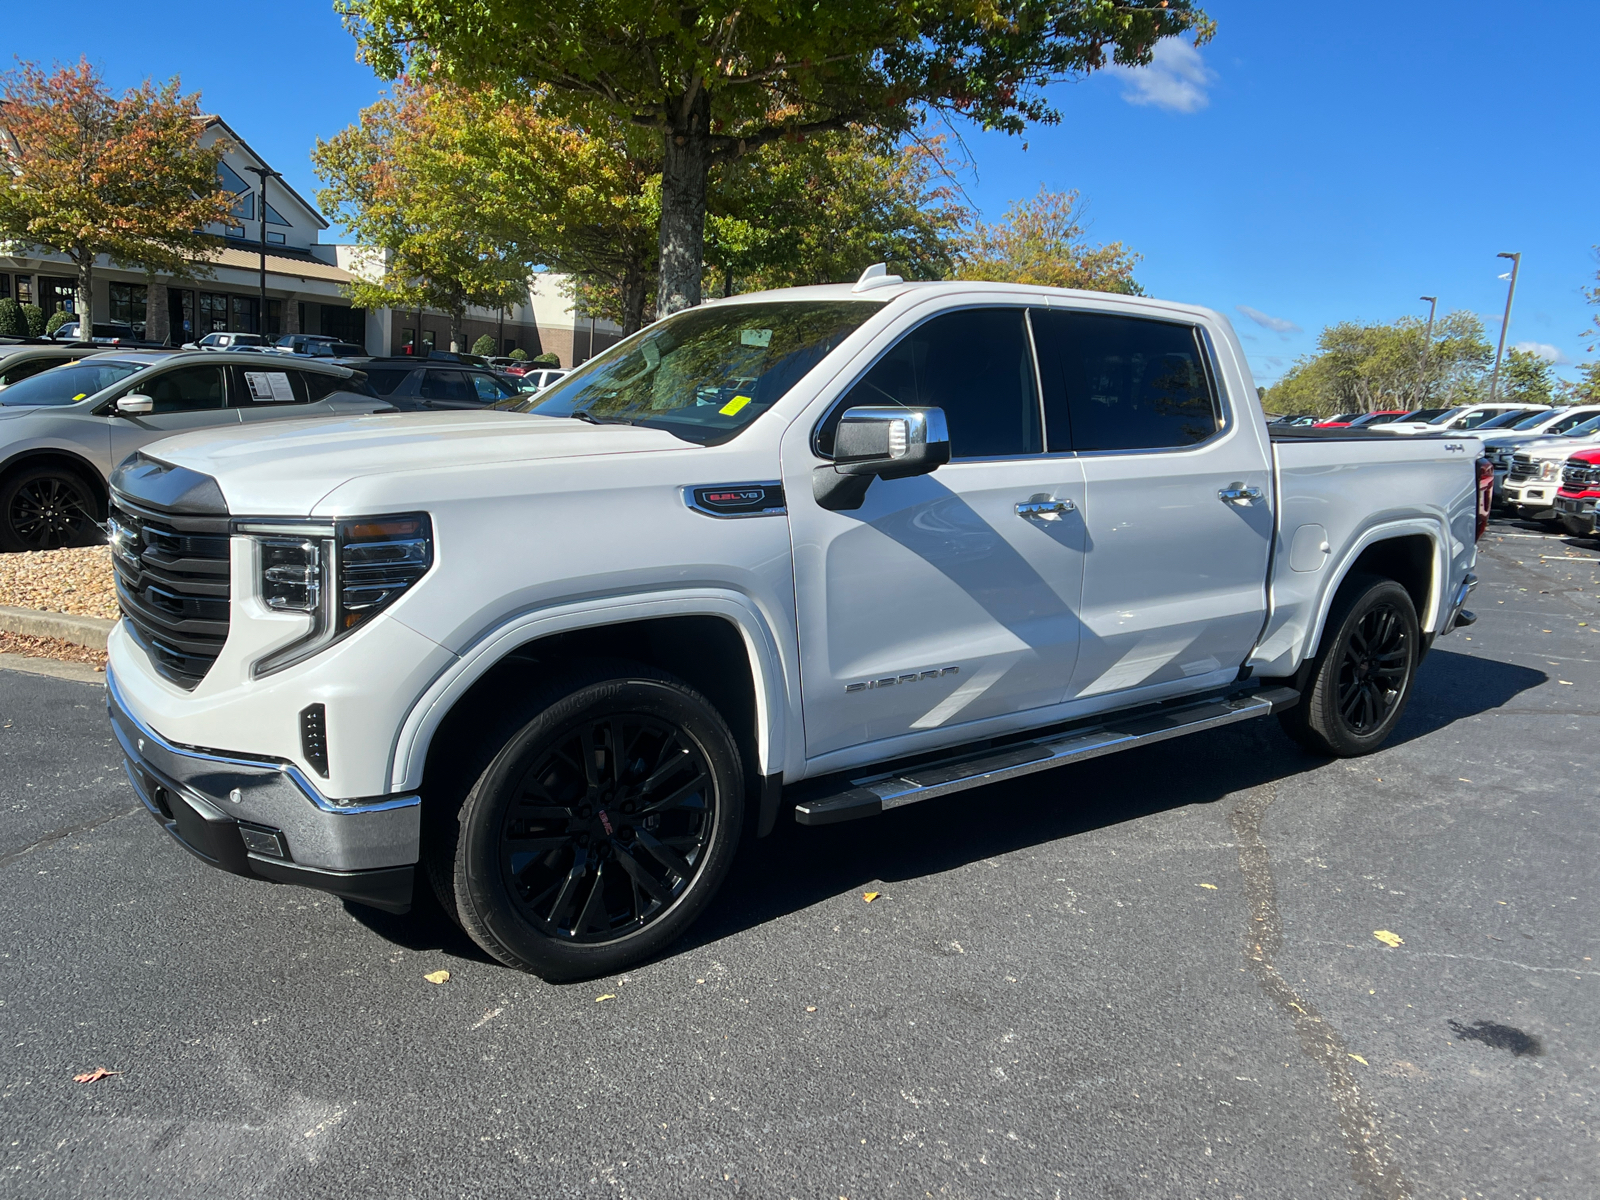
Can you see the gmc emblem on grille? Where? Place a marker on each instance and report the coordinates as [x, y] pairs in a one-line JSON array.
[[737, 500]]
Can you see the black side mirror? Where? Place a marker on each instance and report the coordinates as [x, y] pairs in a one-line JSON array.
[[880, 443]]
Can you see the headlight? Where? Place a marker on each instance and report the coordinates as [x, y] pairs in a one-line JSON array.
[[340, 573]]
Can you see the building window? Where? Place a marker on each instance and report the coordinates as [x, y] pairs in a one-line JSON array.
[[427, 340], [57, 294], [346, 324], [243, 314], [128, 305], [408, 340], [213, 314], [274, 328], [24, 289], [5, 286], [236, 231], [300, 316], [508, 346], [274, 217], [276, 238]]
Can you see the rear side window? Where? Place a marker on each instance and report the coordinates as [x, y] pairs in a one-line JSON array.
[[319, 386], [1122, 383], [384, 380], [253, 388], [446, 385], [490, 389], [23, 370], [975, 364]]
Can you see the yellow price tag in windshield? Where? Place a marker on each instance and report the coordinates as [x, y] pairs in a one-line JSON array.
[[80, 395], [734, 405]]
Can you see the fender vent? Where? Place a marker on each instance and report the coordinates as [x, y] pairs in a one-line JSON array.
[[314, 737]]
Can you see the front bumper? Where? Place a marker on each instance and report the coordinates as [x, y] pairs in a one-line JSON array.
[[1532, 497], [1577, 513], [263, 819]]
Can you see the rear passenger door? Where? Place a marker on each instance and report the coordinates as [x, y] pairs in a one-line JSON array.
[[1177, 501], [447, 388]]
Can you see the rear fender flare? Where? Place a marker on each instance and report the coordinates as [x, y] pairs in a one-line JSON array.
[[1438, 536], [768, 668]]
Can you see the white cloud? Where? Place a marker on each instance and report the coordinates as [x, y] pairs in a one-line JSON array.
[[1276, 324], [1545, 351], [1177, 79]]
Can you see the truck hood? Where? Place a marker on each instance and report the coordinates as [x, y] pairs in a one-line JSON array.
[[1555, 447], [286, 467]]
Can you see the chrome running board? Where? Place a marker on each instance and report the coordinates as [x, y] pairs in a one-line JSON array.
[[870, 795]]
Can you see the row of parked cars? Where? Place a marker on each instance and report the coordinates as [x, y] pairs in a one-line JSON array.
[[1546, 459], [70, 413]]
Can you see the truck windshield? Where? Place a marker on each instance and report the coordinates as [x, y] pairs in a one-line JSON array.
[[703, 374], [71, 383], [1592, 425]]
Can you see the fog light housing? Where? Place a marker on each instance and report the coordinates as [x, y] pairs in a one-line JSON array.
[[258, 839]]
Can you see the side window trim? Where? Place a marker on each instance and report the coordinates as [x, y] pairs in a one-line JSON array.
[[857, 376], [1038, 382]]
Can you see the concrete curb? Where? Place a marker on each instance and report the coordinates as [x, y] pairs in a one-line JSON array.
[[81, 631], [77, 672]]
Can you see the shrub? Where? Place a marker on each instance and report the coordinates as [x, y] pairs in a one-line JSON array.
[[57, 319], [547, 360], [484, 346], [33, 318], [520, 354], [11, 323]]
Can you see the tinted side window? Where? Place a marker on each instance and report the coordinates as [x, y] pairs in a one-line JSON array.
[[446, 385], [319, 386], [490, 389], [187, 389], [384, 380], [33, 366], [1121, 383], [976, 365]]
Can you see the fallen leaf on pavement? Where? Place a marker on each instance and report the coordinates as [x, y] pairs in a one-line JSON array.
[[91, 1076], [1388, 939], [811, 1008], [437, 976], [1361, 1060], [869, 897], [1212, 886], [607, 996]]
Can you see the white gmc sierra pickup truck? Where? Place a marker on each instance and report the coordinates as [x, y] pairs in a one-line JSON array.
[[825, 551]]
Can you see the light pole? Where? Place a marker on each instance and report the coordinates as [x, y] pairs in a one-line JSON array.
[[264, 173], [1427, 345], [1511, 294]]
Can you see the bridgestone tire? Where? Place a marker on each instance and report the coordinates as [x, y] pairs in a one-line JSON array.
[[625, 863], [1362, 676]]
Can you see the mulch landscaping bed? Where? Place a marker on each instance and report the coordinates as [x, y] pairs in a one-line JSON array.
[[48, 647], [78, 581]]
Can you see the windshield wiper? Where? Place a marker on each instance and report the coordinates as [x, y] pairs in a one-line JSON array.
[[584, 415]]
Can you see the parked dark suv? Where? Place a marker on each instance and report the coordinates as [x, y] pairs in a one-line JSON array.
[[412, 384]]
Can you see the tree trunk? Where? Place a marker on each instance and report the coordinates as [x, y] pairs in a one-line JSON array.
[[633, 296], [683, 205], [84, 258], [456, 315]]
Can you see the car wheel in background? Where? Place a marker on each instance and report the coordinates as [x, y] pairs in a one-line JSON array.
[[600, 830], [46, 508], [1361, 677]]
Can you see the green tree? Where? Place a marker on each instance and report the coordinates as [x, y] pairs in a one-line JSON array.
[[1368, 367], [714, 80], [11, 322], [823, 209], [57, 319], [519, 354], [404, 180], [33, 320], [1527, 377], [484, 346], [94, 174], [1043, 241], [1586, 389]]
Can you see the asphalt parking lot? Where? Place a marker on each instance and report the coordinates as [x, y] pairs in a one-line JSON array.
[[1154, 975]]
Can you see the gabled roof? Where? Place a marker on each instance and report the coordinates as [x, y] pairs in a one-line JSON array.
[[210, 119]]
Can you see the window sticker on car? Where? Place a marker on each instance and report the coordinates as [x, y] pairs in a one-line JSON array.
[[755, 337], [269, 386]]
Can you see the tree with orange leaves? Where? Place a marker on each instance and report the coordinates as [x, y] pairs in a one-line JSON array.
[[87, 173]]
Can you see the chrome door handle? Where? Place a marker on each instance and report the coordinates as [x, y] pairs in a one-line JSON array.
[[1237, 493], [1045, 509]]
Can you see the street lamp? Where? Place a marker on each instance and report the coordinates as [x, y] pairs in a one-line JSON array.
[[1427, 345], [265, 173], [1511, 294]]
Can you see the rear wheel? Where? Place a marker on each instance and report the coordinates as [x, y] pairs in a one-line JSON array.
[[600, 830], [1362, 676], [46, 508]]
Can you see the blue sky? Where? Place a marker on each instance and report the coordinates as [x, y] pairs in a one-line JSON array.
[[1311, 164]]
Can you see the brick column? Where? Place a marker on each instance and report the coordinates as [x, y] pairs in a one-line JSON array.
[[156, 325], [291, 315]]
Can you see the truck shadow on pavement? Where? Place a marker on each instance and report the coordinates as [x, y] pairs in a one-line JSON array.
[[797, 867]]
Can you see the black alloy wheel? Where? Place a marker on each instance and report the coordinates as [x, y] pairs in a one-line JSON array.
[[610, 827], [1361, 677], [1372, 672], [603, 821], [45, 509]]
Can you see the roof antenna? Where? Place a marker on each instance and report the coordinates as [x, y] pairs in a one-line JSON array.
[[876, 276]]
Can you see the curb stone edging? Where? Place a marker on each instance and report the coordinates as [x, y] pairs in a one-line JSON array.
[[82, 631]]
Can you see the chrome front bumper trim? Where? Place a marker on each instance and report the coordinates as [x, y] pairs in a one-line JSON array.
[[327, 834], [1459, 602]]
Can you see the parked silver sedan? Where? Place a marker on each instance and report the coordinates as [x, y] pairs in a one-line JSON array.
[[62, 431], [19, 361]]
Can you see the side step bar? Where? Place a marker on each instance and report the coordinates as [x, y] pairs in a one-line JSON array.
[[872, 794]]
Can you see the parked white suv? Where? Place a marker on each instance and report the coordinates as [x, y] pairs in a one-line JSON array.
[[1458, 420], [826, 551]]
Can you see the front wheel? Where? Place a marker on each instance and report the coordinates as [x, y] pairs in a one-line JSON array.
[[601, 830], [45, 508], [1362, 676]]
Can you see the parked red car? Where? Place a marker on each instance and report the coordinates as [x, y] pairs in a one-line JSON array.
[[1580, 488]]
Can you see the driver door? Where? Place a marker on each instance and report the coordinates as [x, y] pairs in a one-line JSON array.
[[185, 398]]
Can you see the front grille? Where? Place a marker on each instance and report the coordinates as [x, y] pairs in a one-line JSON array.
[[172, 585], [1523, 467], [1580, 476]]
